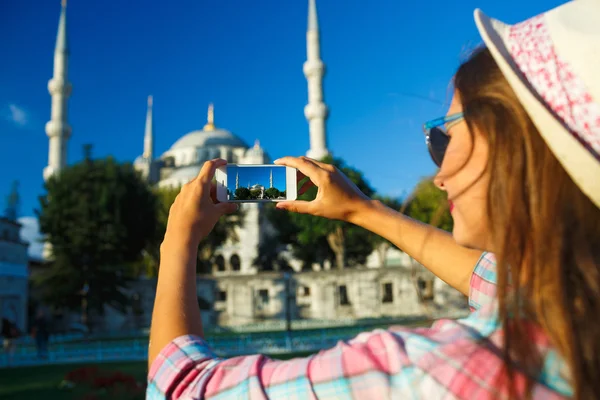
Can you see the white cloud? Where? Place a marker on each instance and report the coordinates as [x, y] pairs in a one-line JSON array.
[[30, 232], [17, 115]]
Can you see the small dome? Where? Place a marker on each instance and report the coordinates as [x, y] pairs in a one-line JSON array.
[[139, 160], [205, 138]]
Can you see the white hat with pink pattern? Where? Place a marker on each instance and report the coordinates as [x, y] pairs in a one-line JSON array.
[[552, 62]]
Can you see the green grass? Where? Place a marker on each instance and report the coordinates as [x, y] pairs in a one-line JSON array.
[[30, 383], [33, 383]]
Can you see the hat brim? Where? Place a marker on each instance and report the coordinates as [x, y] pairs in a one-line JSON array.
[[579, 163]]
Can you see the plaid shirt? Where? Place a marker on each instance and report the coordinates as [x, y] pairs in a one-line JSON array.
[[450, 360]]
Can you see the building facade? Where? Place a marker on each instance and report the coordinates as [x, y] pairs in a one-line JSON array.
[[14, 273], [236, 293]]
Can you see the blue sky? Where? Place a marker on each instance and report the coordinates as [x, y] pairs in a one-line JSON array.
[[247, 58], [256, 175]]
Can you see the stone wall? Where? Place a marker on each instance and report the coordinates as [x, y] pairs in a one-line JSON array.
[[350, 294]]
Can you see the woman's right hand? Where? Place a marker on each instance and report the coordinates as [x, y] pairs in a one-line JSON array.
[[337, 196]]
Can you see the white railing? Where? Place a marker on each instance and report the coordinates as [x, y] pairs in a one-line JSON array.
[[124, 346], [137, 350]]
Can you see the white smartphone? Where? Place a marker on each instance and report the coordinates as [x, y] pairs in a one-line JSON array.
[[248, 183]]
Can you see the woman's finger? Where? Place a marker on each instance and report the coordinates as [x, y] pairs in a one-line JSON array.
[[304, 165], [207, 173], [213, 192], [297, 206]]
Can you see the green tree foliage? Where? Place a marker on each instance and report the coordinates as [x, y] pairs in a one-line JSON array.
[[430, 205], [223, 230], [242, 193], [318, 239], [98, 215], [254, 194], [272, 193]]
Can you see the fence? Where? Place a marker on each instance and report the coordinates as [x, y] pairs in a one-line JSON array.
[[137, 349]]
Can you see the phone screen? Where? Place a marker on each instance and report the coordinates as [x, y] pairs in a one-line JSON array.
[[255, 183]]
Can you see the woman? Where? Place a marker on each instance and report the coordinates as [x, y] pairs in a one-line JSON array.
[[519, 156]]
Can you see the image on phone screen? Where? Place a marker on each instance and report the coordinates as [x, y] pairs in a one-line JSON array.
[[256, 183]]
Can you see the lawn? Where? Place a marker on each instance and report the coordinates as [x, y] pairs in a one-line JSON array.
[[33, 383]]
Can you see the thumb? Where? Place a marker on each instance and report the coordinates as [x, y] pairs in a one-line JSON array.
[[297, 206], [226, 208]]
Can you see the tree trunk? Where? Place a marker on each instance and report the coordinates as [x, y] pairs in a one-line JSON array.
[[382, 252], [336, 240]]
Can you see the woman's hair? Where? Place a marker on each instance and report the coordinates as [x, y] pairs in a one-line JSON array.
[[545, 233]]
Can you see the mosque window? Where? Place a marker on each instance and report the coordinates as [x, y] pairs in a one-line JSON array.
[[388, 293], [201, 155], [221, 295], [304, 290], [220, 263], [235, 262], [343, 295], [425, 289], [263, 298], [169, 162]]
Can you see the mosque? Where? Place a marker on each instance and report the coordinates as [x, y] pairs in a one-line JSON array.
[[236, 291]]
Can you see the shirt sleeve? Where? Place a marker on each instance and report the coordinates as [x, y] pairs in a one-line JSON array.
[[484, 282], [445, 361]]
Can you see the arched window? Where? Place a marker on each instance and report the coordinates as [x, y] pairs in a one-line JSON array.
[[426, 289], [220, 263], [235, 262]]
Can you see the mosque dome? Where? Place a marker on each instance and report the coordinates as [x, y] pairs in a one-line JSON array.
[[208, 137]]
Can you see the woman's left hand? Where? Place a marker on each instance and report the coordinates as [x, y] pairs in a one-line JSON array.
[[195, 210]]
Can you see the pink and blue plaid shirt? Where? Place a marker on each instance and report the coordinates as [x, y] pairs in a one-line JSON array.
[[454, 359]]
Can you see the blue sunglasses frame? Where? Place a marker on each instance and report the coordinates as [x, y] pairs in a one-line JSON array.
[[436, 135]]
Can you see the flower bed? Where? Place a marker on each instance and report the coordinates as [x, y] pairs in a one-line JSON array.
[[92, 383]]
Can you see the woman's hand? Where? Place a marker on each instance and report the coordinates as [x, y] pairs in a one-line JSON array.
[[337, 196], [195, 210]]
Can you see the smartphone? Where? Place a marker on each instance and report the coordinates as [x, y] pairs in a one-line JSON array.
[[248, 183]]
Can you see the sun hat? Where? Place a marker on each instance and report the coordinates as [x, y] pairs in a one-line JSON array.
[[552, 62]]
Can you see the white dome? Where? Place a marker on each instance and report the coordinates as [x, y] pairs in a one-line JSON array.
[[206, 138]]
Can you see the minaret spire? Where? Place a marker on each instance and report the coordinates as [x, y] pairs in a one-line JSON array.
[[271, 179], [58, 129], [210, 118], [315, 111], [149, 133]]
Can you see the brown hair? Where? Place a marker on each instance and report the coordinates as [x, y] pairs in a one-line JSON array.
[[545, 232]]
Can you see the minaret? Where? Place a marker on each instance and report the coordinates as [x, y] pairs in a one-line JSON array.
[[58, 129], [210, 118], [149, 134], [237, 180], [315, 111], [271, 179]]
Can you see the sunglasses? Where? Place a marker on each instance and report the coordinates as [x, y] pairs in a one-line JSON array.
[[436, 135]]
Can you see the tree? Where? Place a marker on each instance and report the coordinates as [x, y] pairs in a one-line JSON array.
[[318, 238], [255, 194], [242, 193], [380, 244], [429, 204], [97, 215], [224, 229], [272, 193]]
